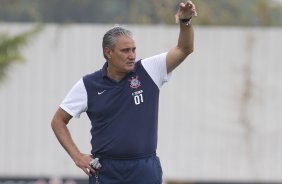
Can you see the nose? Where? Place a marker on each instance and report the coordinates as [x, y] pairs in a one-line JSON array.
[[132, 54]]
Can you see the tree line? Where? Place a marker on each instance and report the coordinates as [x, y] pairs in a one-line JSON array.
[[211, 12]]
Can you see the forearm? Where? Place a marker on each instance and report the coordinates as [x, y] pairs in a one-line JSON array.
[[186, 36], [183, 48], [64, 137], [186, 39]]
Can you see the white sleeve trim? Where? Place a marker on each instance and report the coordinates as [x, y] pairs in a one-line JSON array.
[[156, 68], [76, 100]]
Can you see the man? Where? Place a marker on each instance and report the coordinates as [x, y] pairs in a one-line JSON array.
[[121, 101]]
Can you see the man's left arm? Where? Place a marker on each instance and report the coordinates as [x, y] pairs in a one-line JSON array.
[[185, 45]]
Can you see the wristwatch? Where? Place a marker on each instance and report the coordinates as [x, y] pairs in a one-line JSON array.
[[187, 22]]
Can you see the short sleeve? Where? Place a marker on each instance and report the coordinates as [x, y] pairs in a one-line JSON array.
[[156, 68], [76, 100]]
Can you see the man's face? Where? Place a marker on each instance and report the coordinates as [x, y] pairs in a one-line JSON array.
[[122, 57]]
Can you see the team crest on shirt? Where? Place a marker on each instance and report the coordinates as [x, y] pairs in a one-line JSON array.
[[134, 82]]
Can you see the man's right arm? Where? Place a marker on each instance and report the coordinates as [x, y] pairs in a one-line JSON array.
[[59, 126]]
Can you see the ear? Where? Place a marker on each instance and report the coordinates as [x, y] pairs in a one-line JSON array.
[[108, 52]]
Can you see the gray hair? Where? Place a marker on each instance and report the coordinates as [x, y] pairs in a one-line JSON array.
[[110, 38]]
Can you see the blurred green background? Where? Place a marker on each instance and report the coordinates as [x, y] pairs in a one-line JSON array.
[[211, 12]]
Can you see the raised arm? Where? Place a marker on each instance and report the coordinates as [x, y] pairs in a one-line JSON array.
[[185, 45]]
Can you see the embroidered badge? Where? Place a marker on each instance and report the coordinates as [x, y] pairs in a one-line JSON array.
[[134, 82]]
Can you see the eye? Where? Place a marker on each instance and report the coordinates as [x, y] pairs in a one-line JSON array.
[[126, 50]]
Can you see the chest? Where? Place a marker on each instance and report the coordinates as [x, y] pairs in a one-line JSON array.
[[131, 95]]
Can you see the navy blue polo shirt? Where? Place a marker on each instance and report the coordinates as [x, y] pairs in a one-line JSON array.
[[123, 114]]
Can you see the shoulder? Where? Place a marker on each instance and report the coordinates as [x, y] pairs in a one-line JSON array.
[[154, 62], [94, 75], [155, 66], [155, 58]]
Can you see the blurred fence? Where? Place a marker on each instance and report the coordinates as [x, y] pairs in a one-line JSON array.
[[220, 115]]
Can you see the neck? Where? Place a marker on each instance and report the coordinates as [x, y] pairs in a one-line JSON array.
[[114, 75]]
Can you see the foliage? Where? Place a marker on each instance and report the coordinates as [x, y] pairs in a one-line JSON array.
[[239, 12], [10, 47], [211, 12]]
